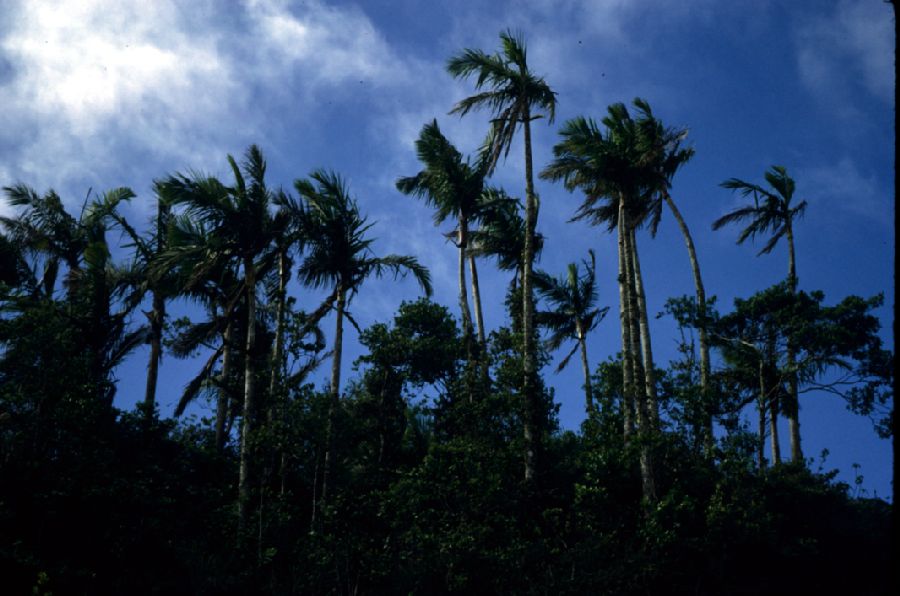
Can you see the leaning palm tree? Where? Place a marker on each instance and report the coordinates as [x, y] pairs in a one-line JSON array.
[[665, 155], [339, 256], [241, 226], [574, 314], [453, 187], [772, 212], [512, 92]]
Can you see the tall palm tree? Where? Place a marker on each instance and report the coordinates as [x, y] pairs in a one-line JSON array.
[[339, 256], [512, 92], [161, 287], [665, 155], [453, 187], [611, 168], [772, 213], [241, 223], [574, 313]]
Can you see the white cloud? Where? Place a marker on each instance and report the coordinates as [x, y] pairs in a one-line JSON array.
[[846, 188], [853, 43]]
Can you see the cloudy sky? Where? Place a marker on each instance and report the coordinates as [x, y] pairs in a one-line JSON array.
[[98, 94]]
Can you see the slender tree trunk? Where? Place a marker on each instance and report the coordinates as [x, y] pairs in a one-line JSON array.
[[479, 321], [157, 317], [224, 397], [334, 402], [468, 332], [773, 428], [646, 348], [586, 369], [793, 405], [244, 482], [476, 300], [701, 311], [628, 404], [277, 395], [763, 408], [645, 421], [761, 434], [638, 377], [532, 434]]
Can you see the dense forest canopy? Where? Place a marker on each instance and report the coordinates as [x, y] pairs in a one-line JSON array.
[[531, 345]]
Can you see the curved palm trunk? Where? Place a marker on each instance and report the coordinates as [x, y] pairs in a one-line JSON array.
[[223, 398], [249, 391], [334, 402], [628, 404], [156, 317], [588, 392], [646, 348], [793, 405], [529, 381], [701, 310]]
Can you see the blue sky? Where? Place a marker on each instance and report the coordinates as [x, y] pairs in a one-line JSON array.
[[114, 93]]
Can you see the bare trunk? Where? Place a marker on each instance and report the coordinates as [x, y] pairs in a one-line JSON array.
[[277, 395], [334, 403], [793, 405], [529, 381], [588, 393], [468, 332], [773, 430], [646, 348], [701, 311], [224, 396], [157, 317], [645, 421], [476, 301], [249, 391], [761, 444], [624, 319]]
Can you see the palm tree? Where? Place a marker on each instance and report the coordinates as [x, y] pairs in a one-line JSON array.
[[512, 92], [664, 154], [339, 256], [453, 187], [241, 226], [161, 287], [574, 314], [772, 212], [612, 169], [92, 281]]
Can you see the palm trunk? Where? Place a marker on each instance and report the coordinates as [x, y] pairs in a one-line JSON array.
[[646, 348], [468, 332], [157, 316], [588, 392], [638, 377], [645, 422], [701, 311], [529, 381], [625, 321], [793, 405], [224, 396], [476, 301], [249, 392], [773, 428], [465, 313], [334, 403], [276, 391]]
